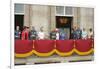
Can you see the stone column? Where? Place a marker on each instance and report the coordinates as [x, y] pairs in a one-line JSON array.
[[40, 17], [27, 15], [76, 17], [52, 18]]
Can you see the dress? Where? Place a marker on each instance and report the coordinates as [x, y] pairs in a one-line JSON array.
[[84, 35], [63, 36], [41, 35], [25, 35], [90, 35]]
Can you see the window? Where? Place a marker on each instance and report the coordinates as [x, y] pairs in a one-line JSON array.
[[60, 10], [19, 15], [19, 9], [68, 11], [64, 11]]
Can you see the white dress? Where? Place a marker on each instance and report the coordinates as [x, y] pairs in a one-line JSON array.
[[41, 35], [84, 34], [90, 34], [57, 36]]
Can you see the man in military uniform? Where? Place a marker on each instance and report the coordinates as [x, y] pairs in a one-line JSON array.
[[74, 33], [33, 34], [53, 35], [78, 32], [17, 33]]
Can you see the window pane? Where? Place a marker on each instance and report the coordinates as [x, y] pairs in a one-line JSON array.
[[19, 8], [60, 10], [68, 11]]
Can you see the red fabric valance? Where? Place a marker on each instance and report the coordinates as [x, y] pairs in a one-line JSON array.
[[44, 46], [24, 48], [83, 45], [64, 45]]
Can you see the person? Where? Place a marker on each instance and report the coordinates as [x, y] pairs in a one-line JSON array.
[[53, 35], [41, 34], [72, 30], [17, 33], [25, 33], [84, 34], [63, 35], [90, 34], [74, 33], [57, 34], [78, 32], [33, 34]]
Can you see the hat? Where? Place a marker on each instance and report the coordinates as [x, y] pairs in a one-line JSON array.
[[56, 30]]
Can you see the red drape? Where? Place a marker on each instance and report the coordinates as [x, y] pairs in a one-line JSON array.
[[83, 45], [23, 46], [48, 47], [44, 46], [64, 45]]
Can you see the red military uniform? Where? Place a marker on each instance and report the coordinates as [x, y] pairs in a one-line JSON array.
[[25, 34]]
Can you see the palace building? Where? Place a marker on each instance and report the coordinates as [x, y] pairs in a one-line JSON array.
[[50, 17]]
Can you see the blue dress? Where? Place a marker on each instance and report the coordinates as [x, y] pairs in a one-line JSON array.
[[63, 36]]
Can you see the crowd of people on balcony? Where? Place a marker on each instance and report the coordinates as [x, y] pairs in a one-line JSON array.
[[56, 34]]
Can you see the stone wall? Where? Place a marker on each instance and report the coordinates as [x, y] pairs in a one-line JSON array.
[[38, 15], [87, 18]]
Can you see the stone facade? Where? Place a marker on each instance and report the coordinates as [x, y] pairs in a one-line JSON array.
[[39, 15]]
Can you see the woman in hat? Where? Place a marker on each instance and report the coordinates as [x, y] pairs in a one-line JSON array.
[[25, 33]]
